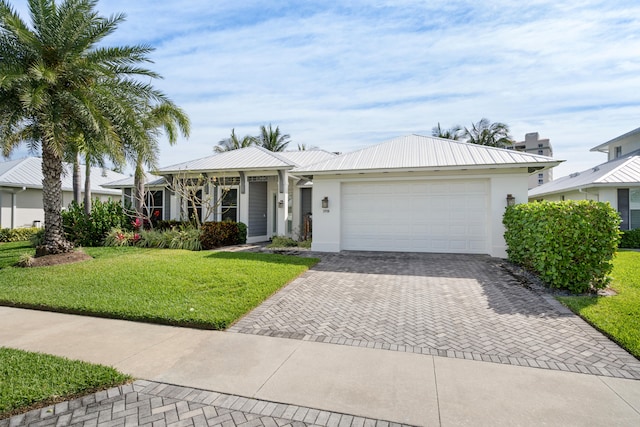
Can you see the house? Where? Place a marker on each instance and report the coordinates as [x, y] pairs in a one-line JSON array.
[[534, 145], [616, 181], [251, 185], [21, 190], [418, 194], [413, 193]]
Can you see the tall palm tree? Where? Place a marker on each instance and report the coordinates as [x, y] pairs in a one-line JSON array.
[[454, 132], [56, 83], [272, 139], [486, 133], [234, 143], [164, 117]]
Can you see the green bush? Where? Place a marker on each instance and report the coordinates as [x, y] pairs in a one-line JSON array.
[[242, 233], [630, 239], [37, 238], [569, 244], [186, 237], [282, 242], [224, 233], [92, 230], [17, 234]]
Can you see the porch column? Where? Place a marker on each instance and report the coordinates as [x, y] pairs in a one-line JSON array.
[[283, 202]]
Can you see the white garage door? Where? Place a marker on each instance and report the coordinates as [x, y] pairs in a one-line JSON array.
[[416, 216]]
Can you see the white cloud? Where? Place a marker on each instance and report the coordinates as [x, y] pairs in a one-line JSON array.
[[341, 75]]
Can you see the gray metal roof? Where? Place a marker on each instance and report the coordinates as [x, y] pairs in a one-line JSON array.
[[149, 180], [27, 172], [623, 170], [249, 158], [604, 147], [426, 152]]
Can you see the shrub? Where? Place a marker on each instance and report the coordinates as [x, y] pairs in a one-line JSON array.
[[92, 230], [568, 244], [118, 237], [37, 238], [282, 242], [188, 238], [17, 234], [630, 239], [225, 233]]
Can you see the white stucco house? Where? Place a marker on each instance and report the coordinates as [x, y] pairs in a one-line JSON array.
[[413, 193], [616, 181], [21, 190]]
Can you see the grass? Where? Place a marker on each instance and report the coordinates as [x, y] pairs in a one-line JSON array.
[[31, 380], [199, 289], [10, 252], [617, 316]]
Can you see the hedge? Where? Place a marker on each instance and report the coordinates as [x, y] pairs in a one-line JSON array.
[[17, 234], [569, 244], [225, 233], [630, 239]]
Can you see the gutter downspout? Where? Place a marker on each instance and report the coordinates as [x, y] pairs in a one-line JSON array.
[[14, 198]]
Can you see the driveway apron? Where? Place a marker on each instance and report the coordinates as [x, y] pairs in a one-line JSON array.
[[461, 306]]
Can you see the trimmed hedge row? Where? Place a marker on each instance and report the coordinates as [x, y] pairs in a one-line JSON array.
[[225, 233], [630, 239], [17, 234], [569, 244]]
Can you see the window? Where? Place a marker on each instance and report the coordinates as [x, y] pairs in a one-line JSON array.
[[229, 205], [540, 181], [539, 145], [618, 151], [540, 152], [541, 175], [154, 204], [634, 208]]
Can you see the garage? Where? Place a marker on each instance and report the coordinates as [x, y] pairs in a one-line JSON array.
[[415, 216]]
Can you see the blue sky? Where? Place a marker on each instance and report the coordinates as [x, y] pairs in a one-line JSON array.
[[344, 75]]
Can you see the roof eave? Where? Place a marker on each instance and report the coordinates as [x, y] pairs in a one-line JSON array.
[[537, 165], [163, 172]]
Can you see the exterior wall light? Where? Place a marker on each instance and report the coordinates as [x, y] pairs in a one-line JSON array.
[[281, 203], [511, 200], [325, 203]]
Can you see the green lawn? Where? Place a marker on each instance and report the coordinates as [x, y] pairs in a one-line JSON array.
[[10, 252], [617, 316], [34, 379], [200, 289]]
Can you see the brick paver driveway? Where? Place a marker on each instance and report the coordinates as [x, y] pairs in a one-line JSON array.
[[463, 306]]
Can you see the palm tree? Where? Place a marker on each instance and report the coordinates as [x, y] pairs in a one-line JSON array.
[[164, 116], [55, 84], [486, 133], [272, 139], [454, 132], [233, 143]]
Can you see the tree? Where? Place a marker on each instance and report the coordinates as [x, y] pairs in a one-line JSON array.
[[167, 117], [233, 143], [305, 147], [454, 132], [56, 84], [272, 139], [486, 133]]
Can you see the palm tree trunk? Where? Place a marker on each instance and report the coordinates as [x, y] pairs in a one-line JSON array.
[[138, 191], [77, 189], [87, 187], [54, 238]]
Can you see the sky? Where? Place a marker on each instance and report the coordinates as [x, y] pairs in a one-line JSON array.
[[348, 74]]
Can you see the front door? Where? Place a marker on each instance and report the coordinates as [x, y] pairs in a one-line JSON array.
[[257, 209]]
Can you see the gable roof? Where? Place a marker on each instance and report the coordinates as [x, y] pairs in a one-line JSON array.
[[249, 158], [415, 152], [623, 170], [27, 173], [604, 147]]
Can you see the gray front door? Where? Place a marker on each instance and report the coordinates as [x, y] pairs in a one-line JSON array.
[[257, 209]]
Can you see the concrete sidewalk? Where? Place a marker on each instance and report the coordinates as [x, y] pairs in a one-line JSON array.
[[401, 387]]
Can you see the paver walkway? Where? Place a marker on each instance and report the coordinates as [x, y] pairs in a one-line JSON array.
[[463, 306], [148, 403]]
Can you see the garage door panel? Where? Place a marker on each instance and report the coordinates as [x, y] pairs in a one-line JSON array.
[[423, 216]]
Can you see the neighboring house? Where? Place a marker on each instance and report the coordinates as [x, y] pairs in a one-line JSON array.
[[418, 194], [21, 190], [534, 145], [616, 181], [253, 185]]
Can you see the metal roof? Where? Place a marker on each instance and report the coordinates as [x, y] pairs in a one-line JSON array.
[[426, 152], [623, 170], [27, 172], [149, 180], [256, 158], [604, 147]]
